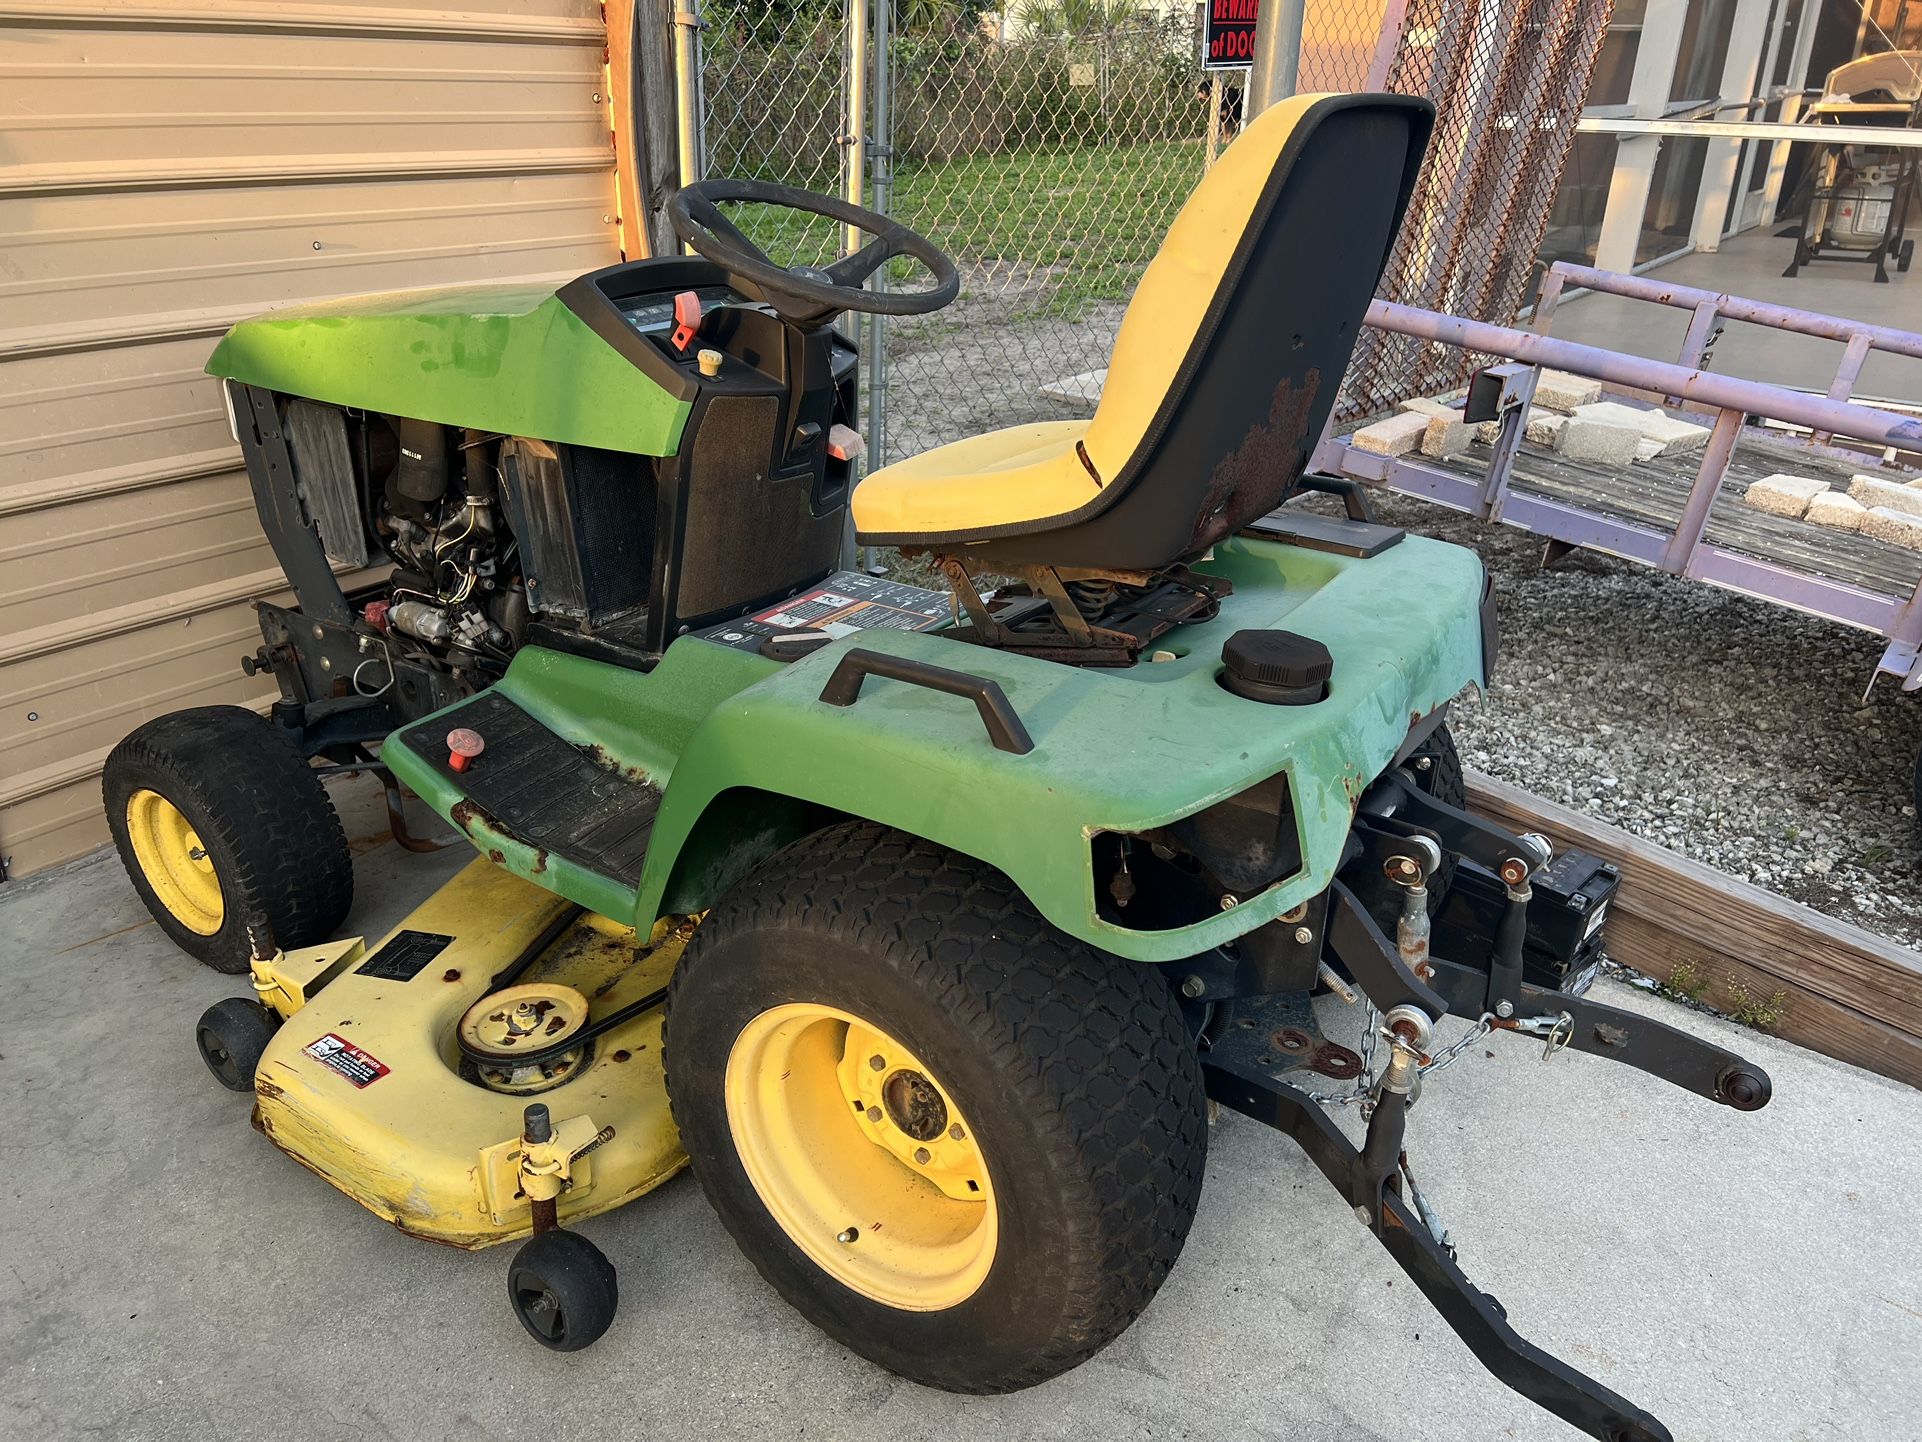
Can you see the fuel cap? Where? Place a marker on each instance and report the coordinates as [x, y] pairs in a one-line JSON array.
[[1277, 667]]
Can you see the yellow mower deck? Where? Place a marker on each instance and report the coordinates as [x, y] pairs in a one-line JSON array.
[[362, 1083]]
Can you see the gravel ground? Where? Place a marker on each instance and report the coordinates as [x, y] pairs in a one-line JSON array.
[[1731, 731]]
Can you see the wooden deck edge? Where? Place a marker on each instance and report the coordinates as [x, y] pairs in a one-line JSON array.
[[1843, 991]]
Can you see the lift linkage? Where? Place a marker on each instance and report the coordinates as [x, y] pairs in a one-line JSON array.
[[1400, 829]]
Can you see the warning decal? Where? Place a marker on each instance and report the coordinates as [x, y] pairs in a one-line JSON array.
[[359, 1067]]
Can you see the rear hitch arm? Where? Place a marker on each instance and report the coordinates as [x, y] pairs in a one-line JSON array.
[[1477, 1318], [1628, 1037]]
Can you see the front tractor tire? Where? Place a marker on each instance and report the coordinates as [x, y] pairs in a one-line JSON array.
[[227, 834], [962, 1144]]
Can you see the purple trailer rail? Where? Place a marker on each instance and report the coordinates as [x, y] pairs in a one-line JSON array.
[[1684, 550]]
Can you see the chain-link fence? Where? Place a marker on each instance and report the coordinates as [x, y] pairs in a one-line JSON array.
[[773, 104], [1047, 146], [1047, 150], [1508, 83]]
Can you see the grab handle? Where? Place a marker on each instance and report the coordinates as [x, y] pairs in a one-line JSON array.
[[997, 713]]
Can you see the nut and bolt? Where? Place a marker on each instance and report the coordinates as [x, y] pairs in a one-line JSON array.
[[846, 1238], [922, 1156], [1229, 901], [1514, 871], [877, 1063], [1304, 935], [1363, 1216], [1193, 986], [956, 1133], [874, 1115], [1504, 1009]]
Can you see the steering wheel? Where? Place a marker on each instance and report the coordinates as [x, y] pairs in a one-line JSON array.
[[808, 295]]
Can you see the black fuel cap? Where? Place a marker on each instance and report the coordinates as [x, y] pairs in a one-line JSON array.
[[1278, 667]]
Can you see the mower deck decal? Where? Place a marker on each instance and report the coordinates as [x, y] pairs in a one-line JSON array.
[[338, 1054], [405, 954]]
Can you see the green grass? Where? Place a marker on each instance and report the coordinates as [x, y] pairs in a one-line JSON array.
[[1098, 214]]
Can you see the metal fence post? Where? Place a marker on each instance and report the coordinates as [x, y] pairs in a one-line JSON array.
[[882, 160], [854, 134], [1277, 58], [690, 116]]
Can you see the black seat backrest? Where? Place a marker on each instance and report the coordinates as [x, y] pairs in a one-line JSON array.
[[1234, 427]]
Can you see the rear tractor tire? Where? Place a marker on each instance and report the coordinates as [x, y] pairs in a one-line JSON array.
[[961, 1143], [228, 835]]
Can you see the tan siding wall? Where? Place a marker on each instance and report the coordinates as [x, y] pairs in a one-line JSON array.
[[164, 171]]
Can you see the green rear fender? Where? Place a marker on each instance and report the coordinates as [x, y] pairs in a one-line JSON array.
[[1116, 750]]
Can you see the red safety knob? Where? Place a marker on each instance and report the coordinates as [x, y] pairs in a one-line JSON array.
[[462, 747]]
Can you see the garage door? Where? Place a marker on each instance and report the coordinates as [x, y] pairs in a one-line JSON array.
[[165, 170]]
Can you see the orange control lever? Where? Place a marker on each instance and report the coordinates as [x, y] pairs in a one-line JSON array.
[[687, 319]]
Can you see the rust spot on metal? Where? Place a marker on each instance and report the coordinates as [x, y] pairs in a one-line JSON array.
[[540, 861], [623, 1055], [451, 975], [268, 1091], [602, 758], [1256, 476], [496, 855], [465, 813]]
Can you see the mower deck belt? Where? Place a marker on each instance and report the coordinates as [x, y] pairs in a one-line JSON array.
[[544, 791]]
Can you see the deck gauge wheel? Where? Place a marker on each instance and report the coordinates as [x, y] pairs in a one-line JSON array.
[[563, 1289], [232, 1036]]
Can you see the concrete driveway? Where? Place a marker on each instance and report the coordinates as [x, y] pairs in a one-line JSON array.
[[165, 1273]]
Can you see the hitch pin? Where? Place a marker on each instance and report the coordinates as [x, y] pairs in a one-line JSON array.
[[1557, 1029]]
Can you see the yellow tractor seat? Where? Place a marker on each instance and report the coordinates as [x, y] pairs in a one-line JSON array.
[[1223, 373]]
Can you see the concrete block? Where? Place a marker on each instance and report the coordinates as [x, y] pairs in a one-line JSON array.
[[1560, 391], [1832, 508], [1647, 450], [1447, 433], [1449, 436], [1901, 528], [1784, 495], [1544, 428], [1077, 390], [1607, 444], [1488, 432], [1676, 437], [1395, 436], [1873, 491]]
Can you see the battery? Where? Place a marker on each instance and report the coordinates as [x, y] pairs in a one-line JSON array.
[[1566, 917]]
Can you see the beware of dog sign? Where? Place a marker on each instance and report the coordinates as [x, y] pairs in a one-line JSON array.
[[1228, 35]]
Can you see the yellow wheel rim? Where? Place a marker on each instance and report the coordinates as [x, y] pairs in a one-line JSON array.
[[174, 862], [862, 1156]]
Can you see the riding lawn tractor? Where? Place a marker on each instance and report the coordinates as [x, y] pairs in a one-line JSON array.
[[926, 925]]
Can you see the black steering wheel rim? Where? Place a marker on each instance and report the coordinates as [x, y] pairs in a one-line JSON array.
[[697, 220]]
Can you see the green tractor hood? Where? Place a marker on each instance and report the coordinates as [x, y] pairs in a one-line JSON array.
[[507, 358]]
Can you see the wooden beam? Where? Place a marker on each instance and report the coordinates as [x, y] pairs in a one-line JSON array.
[[1844, 991], [640, 66]]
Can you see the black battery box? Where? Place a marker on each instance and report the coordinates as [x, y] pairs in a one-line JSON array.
[[1566, 917]]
